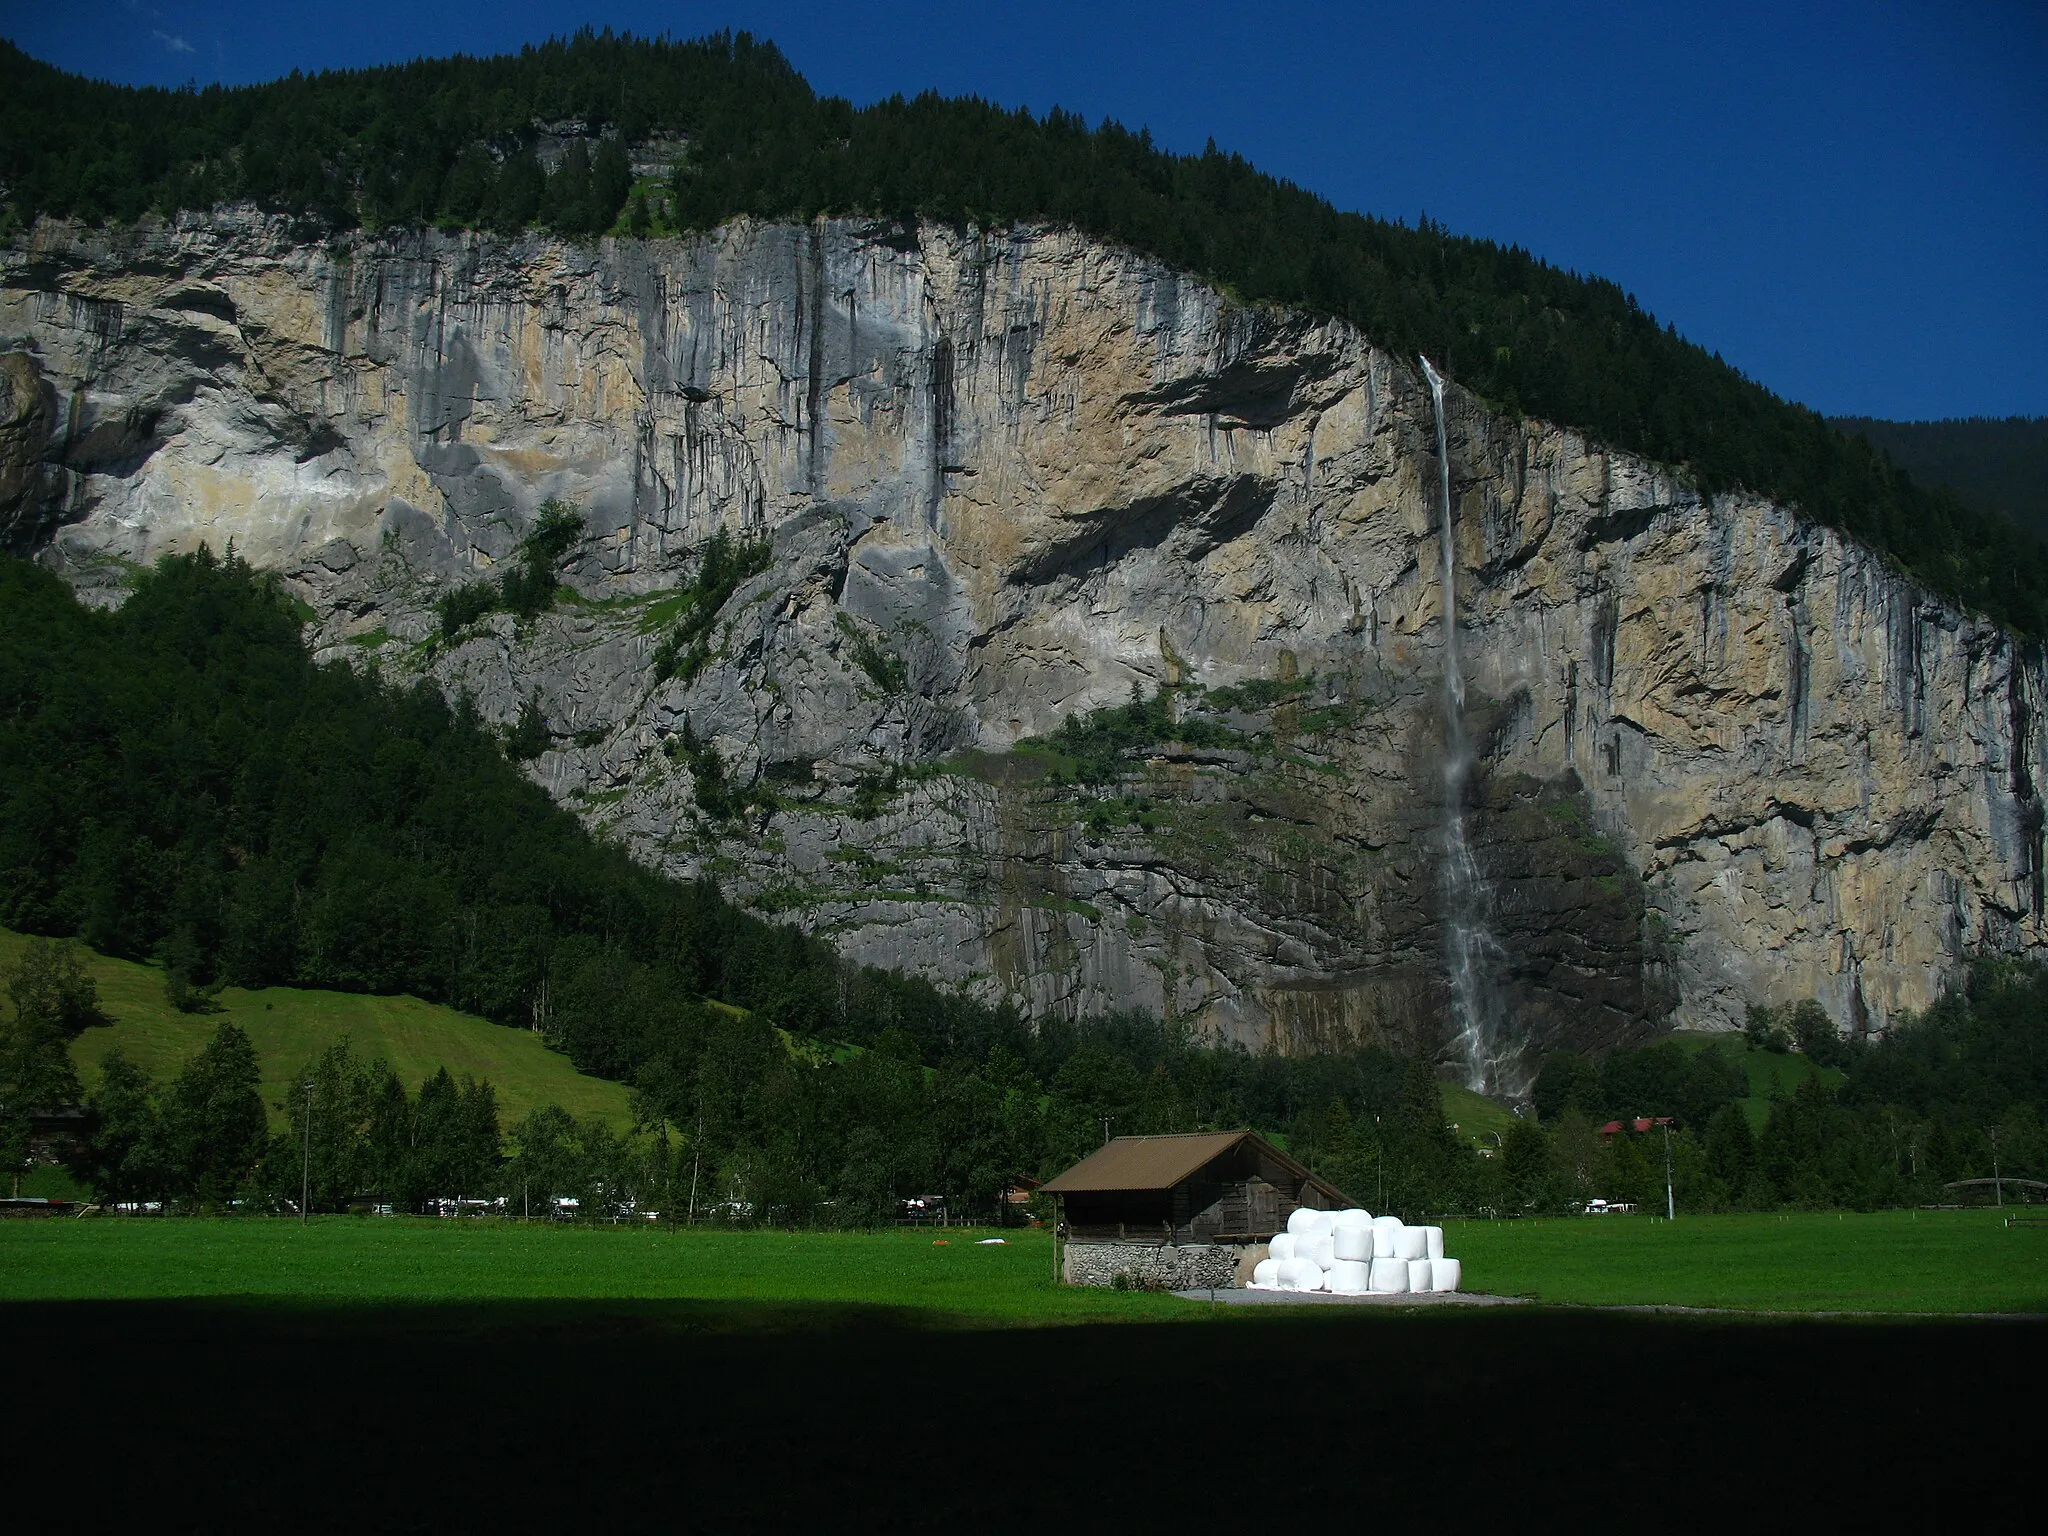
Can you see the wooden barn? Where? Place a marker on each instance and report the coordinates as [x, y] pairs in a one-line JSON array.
[[1215, 1187]]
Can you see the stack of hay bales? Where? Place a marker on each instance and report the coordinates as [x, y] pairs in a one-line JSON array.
[[1355, 1253]]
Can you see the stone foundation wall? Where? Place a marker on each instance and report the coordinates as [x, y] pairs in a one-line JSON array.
[[1195, 1267]]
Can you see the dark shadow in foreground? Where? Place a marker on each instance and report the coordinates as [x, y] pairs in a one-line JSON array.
[[681, 1416]]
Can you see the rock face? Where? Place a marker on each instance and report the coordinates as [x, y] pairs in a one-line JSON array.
[[1727, 757]]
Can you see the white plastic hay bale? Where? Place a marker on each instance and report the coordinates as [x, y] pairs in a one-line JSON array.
[[1266, 1275], [1411, 1243], [1307, 1223], [1445, 1274], [1419, 1278], [1348, 1277], [1302, 1275], [1320, 1250], [1387, 1221], [1351, 1218], [1282, 1246], [1436, 1241], [1353, 1243], [1389, 1276], [1383, 1239]]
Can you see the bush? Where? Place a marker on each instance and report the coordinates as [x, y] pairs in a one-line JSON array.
[[527, 590], [530, 736], [465, 605], [724, 563]]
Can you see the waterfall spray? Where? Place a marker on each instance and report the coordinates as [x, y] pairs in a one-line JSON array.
[[1471, 952]]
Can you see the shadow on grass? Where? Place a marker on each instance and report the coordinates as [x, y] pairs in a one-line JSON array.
[[678, 1415]]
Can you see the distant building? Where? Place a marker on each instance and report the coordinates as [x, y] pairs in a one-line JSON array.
[[1180, 1212], [1642, 1125]]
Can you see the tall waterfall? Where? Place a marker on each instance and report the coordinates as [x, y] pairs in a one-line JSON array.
[[1472, 954]]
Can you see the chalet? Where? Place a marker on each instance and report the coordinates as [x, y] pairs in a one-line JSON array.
[[1180, 1211]]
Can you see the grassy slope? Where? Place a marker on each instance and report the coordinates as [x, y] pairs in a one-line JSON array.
[[1773, 1075], [289, 1027], [1478, 1118], [1950, 1261]]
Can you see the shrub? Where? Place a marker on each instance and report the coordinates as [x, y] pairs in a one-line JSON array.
[[465, 605]]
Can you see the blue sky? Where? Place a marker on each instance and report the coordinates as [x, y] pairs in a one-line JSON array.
[[1847, 201]]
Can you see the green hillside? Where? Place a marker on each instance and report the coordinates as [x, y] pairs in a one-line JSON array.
[[1477, 1119], [290, 1026], [1773, 1076], [455, 143]]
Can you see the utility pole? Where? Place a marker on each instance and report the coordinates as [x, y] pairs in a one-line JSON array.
[[696, 1159], [1997, 1183], [306, 1158], [1105, 1130], [1379, 1157], [1670, 1203]]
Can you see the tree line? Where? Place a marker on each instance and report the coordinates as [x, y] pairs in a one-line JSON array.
[[186, 786], [792, 1139], [1957, 1093], [455, 142]]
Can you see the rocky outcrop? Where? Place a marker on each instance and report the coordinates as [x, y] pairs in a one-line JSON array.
[[1012, 478]]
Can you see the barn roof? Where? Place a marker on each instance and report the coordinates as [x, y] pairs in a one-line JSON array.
[[1160, 1162]]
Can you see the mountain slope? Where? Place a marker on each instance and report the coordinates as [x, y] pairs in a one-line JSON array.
[[988, 489]]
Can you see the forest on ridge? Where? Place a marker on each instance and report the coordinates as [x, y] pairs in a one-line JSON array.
[[544, 140]]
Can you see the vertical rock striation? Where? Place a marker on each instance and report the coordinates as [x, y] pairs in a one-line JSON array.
[[1724, 756]]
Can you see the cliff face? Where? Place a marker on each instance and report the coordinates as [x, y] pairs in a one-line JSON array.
[[1726, 756]]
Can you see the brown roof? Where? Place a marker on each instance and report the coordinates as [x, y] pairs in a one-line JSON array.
[[1160, 1162], [1143, 1162]]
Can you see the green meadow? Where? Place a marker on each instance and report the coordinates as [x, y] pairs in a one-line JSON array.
[[291, 1026], [344, 1260], [1822, 1261], [1894, 1262]]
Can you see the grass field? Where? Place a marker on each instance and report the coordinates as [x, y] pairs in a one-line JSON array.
[[290, 1027], [1887, 1261], [1892, 1262], [345, 1259]]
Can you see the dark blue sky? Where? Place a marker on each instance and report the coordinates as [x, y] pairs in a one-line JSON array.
[[1848, 201]]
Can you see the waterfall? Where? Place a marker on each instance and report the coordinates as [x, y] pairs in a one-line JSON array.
[[1472, 955]]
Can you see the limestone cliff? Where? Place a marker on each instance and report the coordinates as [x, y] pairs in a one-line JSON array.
[[1011, 478]]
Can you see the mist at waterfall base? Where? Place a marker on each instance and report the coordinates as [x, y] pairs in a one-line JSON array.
[[1472, 955]]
